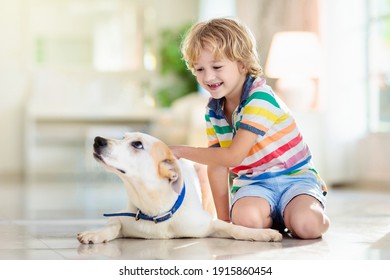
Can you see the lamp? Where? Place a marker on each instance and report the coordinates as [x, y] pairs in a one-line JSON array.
[[294, 59]]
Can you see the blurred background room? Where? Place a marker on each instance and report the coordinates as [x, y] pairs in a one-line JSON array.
[[74, 69]]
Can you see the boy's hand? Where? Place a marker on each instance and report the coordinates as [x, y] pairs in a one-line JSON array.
[[176, 151]]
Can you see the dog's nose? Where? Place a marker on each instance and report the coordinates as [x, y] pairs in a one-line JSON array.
[[100, 142]]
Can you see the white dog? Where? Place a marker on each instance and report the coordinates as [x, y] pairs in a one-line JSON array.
[[163, 198]]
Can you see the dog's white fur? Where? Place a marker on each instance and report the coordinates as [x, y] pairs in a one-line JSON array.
[[153, 178]]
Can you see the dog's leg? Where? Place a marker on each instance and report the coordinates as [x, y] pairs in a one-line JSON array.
[[109, 232], [227, 230]]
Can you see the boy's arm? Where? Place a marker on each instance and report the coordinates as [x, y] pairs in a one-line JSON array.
[[218, 178], [231, 156]]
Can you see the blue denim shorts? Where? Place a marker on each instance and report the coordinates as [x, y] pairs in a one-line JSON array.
[[280, 190]]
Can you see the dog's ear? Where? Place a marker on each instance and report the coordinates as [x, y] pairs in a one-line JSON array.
[[167, 165], [168, 169]]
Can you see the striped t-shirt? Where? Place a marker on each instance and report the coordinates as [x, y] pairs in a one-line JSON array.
[[279, 148]]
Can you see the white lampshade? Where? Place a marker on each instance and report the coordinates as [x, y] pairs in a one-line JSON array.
[[293, 54]]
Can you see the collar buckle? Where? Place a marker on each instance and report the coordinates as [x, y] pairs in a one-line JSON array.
[[162, 217], [137, 217]]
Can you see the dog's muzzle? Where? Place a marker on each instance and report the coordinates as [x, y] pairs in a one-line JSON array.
[[99, 144]]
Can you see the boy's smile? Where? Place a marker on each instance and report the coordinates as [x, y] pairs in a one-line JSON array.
[[214, 86]]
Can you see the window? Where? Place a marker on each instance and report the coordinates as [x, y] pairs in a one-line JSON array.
[[379, 64]]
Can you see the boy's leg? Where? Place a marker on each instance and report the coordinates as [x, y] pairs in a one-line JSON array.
[[218, 179], [252, 212], [304, 216]]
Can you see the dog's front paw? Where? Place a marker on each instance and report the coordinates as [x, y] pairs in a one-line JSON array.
[[91, 237], [271, 235]]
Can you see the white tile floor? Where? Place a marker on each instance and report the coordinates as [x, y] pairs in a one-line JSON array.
[[41, 220]]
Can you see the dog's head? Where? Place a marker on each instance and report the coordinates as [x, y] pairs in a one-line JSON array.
[[139, 158]]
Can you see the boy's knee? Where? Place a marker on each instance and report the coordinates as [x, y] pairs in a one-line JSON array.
[[309, 226], [251, 216]]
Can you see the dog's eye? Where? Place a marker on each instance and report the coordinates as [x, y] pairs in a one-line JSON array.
[[137, 145]]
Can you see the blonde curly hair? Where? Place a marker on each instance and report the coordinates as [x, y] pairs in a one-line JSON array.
[[226, 38]]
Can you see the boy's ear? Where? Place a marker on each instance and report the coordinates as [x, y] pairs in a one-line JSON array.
[[242, 67]]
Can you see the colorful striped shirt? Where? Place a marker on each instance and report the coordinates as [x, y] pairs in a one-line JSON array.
[[279, 148]]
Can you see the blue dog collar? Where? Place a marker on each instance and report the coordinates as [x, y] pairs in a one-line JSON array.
[[157, 219]]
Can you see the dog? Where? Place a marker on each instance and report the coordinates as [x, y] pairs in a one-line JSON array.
[[163, 192]]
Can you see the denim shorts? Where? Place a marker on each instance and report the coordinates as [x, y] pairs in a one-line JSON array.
[[280, 190]]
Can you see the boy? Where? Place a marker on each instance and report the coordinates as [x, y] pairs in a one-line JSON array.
[[252, 134]]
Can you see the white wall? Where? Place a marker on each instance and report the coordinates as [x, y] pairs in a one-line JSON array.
[[344, 90], [14, 83], [374, 159], [352, 153]]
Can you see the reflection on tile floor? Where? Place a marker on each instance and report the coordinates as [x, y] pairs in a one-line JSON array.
[[41, 220]]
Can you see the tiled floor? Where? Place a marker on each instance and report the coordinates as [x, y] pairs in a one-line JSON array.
[[41, 220]]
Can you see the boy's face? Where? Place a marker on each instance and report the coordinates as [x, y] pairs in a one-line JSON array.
[[220, 77]]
